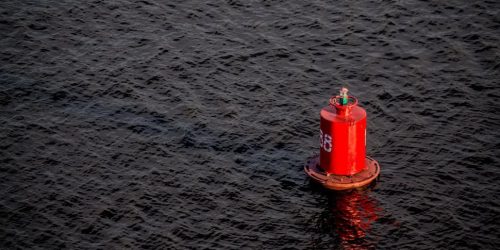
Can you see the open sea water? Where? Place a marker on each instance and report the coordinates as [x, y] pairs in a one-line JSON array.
[[186, 124]]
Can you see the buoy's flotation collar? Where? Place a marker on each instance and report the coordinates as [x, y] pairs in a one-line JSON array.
[[341, 182]]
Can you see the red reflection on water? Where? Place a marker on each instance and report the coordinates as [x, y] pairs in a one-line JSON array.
[[353, 213]]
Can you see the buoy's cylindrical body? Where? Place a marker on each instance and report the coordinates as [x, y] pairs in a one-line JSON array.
[[343, 138]]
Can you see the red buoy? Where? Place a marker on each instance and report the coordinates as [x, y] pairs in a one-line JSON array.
[[342, 162]]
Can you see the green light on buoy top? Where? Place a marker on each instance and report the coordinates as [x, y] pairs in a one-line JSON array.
[[343, 96]]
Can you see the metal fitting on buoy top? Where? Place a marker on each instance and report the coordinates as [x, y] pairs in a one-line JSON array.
[[342, 162]]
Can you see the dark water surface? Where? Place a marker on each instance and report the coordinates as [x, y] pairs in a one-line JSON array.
[[186, 124]]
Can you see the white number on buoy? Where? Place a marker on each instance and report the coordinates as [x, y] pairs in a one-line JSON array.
[[325, 141]]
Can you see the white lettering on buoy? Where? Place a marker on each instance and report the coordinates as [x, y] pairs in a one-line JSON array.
[[325, 141]]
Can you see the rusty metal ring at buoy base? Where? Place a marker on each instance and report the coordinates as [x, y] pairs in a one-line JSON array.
[[342, 182]]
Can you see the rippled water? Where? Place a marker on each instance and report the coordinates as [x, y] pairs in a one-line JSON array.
[[186, 124]]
